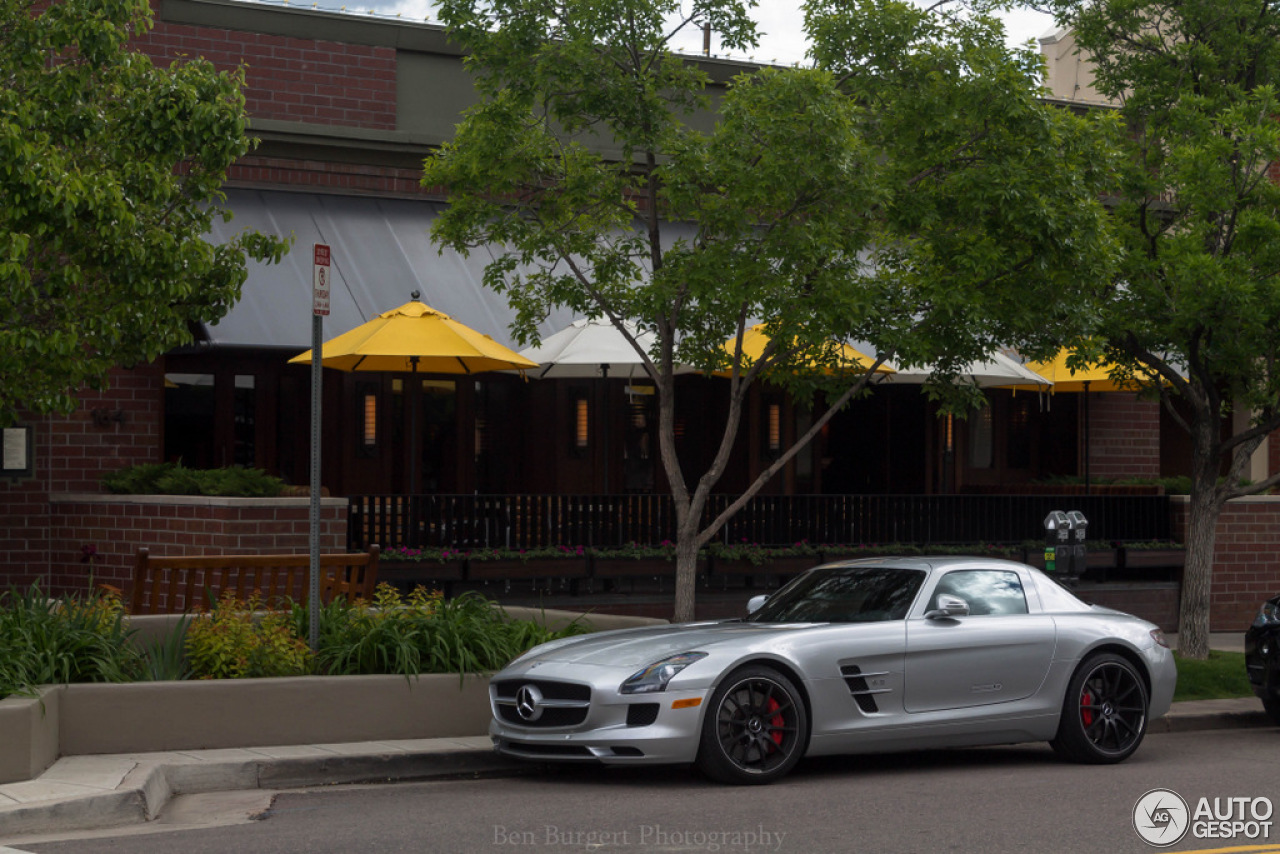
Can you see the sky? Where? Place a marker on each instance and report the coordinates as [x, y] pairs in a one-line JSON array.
[[782, 39]]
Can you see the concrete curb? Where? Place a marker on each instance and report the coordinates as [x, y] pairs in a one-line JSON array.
[[143, 792], [1195, 722]]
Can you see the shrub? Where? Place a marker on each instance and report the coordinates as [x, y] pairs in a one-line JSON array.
[[239, 640], [420, 633], [665, 550], [175, 479], [71, 639]]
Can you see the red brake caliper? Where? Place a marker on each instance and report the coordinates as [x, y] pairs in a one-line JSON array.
[[775, 721], [1086, 714]]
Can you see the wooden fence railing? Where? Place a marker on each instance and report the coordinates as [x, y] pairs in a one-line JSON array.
[[539, 521]]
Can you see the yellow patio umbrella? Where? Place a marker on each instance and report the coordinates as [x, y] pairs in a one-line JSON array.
[[416, 337], [1062, 378], [755, 339]]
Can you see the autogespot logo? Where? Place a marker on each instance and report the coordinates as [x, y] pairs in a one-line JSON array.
[[1161, 818]]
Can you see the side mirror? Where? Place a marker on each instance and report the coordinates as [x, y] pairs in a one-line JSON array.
[[948, 606], [755, 602]]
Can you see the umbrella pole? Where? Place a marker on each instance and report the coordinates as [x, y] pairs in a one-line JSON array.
[[604, 428], [1086, 437], [415, 400]]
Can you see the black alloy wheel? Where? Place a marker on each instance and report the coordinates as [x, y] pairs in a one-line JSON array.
[[1104, 716], [755, 728]]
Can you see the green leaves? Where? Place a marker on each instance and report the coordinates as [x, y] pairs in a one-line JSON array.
[[423, 633], [911, 192], [110, 171], [74, 639]]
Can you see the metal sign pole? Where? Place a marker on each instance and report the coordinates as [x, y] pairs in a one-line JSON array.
[[313, 592], [319, 308]]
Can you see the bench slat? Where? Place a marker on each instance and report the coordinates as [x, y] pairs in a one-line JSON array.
[[179, 583]]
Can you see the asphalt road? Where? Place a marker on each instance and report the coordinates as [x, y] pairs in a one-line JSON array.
[[1008, 799]]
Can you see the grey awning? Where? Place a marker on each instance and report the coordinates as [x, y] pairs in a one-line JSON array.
[[381, 253]]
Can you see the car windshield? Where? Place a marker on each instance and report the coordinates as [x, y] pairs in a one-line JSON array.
[[850, 594]]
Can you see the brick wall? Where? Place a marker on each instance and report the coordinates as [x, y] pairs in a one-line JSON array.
[[1124, 436], [1157, 603], [1246, 559], [270, 172], [114, 527], [70, 454], [290, 79]]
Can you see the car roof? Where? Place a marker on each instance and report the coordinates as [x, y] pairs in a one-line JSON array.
[[930, 562]]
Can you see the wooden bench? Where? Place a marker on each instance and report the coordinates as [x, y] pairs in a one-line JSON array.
[[164, 584]]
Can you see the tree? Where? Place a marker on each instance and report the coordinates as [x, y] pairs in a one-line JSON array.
[[1196, 296], [908, 191], [110, 173]]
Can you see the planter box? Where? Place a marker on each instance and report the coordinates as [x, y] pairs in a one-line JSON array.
[[1159, 558], [145, 717], [551, 567], [420, 572], [623, 567], [219, 713], [1102, 558], [723, 567], [28, 735], [789, 566]]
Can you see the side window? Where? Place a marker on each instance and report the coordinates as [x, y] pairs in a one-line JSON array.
[[988, 591]]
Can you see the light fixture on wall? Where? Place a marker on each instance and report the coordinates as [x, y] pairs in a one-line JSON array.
[[367, 396], [581, 423], [775, 428], [370, 420]]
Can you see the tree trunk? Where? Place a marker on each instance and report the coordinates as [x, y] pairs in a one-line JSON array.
[[686, 576], [1202, 526]]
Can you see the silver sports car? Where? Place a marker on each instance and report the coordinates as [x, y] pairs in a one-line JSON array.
[[860, 656]]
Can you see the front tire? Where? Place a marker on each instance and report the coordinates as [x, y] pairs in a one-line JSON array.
[[755, 728], [1104, 715]]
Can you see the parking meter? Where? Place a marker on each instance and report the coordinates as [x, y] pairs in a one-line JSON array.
[[1057, 533], [1079, 551]]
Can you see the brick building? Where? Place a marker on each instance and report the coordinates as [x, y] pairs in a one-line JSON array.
[[346, 107]]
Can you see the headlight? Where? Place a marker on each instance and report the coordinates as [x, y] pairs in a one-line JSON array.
[[656, 676], [1159, 638]]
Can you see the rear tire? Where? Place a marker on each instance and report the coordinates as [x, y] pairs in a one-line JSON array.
[[1104, 715], [755, 729]]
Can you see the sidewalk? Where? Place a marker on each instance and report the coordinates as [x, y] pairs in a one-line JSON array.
[[90, 792]]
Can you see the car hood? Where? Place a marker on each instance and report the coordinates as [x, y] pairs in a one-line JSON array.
[[638, 647]]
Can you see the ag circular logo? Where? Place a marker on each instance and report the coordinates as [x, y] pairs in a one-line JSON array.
[[1161, 817]]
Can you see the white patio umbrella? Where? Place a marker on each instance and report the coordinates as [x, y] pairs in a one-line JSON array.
[[591, 347], [996, 371]]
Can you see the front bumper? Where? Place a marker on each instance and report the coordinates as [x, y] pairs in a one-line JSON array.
[[601, 724], [1262, 660], [1164, 680]]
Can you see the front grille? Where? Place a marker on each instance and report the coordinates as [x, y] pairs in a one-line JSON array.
[[642, 714], [546, 703], [552, 717], [551, 690]]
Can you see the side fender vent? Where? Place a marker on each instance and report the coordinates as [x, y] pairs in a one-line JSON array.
[[863, 694]]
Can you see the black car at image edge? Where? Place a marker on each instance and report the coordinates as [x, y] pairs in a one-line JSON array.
[[1262, 656]]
